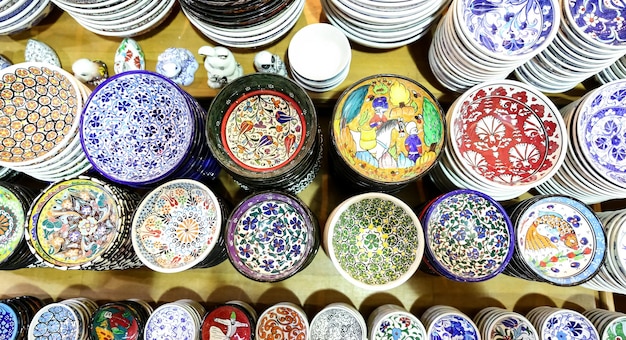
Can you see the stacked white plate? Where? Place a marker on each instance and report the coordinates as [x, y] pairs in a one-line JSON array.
[[384, 24], [319, 57], [117, 18], [616, 71], [20, 15], [594, 169], [258, 24], [591, 37], [476, 41]]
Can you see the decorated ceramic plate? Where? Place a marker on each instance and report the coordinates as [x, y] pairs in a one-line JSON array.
[[12, 218], [283, 321]]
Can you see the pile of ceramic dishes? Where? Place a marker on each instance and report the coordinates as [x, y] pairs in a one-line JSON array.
[[235, 319], [39, 121], [483, 41], [498, 323], [438, 320], [83, 223], [558, 240], [17, 314], [140, 129], [262, 128], [386, 132], [338, 321], [15, 201], [391, 321], [19, 15], [374, 240], [504, 137], [283, 320], [180, 319], [561, 323], [125, 319], [319, 57], [117, 18], [609, 324], [612, 274], [271, 236], [594, 169], [591, 37], [469, 236], [178, 226], [616, 71], [384, 24], [66, 319], [243, 23]]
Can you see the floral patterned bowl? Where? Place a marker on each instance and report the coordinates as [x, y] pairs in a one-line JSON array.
[[374, 240]]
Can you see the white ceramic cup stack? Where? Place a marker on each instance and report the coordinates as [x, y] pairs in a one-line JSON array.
[[561, 323], [438, 318], [392, 321], [319, 57], [384, 24], [594, 169], [117, 18], [498, 323], [474, 43], [19, 15], [610, 324], [591, 37]]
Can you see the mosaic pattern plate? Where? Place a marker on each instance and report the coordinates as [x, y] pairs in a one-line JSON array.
[[137, 127], [506, 133], [176, 225], [388, 128], [375, 241], [12, 219], [469, 236], [38, 113]]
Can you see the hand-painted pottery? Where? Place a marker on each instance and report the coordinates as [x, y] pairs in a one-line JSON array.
[[228, 321], [37, 51], [446, 322], [129, 56], [507, 133], [178, 64], [561, 323], [338, 321], [9, 322], [394, 322], [374, 240], [175, 320], [59, 320], [283, 321], [117, 321], [469, 236], [14, 203], [387, 131], [609, 324], [271, 236], [558, 240], [177, 226], [498, 323], [604, 29], [16, 314]]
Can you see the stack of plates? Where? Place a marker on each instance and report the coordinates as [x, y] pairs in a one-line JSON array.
[[392, 321], [319, 57], [591, 37], [16, 314], [561, 323], [66, 319], [498, 323], [438, 320], [234, 319], [83, 223], [117, 18], [20, 15], [15, 201], [283, 320], [595, 166], [477, 41], [558, 240], [181, 319], [504, 138], [616, 71], [243, 23], [140, 129], [124, 319], [610, 324], [39, 121], [383, 24], [339, 321]]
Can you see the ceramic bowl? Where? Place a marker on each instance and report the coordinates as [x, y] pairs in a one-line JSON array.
[[393, 321], [283, 320], [338, 321]]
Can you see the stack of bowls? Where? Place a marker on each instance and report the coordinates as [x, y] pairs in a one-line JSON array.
[[15, 201], [19, 15], [319, 57], [117, 18], [39, 121], [386, 132], [498, 323], [610, 324], [283, 320], [594, 169], [243, 23], [591, 37], [469, 236], [262, 128], [485, 41], [338, 321], [181, 319], [561, 323], [374, 240], [447, 322], [558, 240], [391, 321], [141, 129], [384, 24], [178, 226], [504, 138], [16, 314], [66, 319]]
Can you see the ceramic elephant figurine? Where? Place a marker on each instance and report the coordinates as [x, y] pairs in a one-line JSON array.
[[221, 66]]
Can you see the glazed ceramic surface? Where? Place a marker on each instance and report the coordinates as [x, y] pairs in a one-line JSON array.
[[37, 51], [12, 218], [129, 56], [9, 322], [171, 321], [568, 324], [399, 326], [55, 321], [227, 322], [115, 322], [338, 322], [388, 128], [597, 21], [451, 326], [513, 328], [469, 236], [178, 64], [176, 225], [282, 322]]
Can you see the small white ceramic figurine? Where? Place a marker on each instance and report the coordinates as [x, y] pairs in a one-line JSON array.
[[221, 66], [266, 62], [92, 72], [178, 64]]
